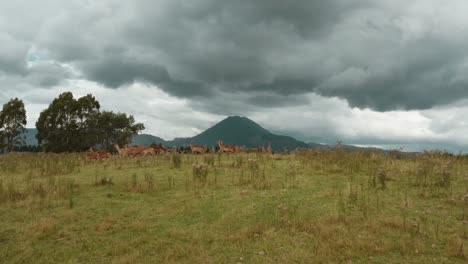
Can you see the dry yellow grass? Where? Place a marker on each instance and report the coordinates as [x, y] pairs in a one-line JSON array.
[[312, 206]]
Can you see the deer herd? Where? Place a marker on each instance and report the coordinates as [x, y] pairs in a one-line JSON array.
[[134, 151]]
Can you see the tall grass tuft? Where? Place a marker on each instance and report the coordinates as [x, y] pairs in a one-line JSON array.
[[149, 179], [176, 161], [200, 173]]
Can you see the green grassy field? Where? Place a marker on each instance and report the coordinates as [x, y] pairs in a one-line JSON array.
[[306, 207]]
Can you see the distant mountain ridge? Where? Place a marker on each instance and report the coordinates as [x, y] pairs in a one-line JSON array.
[[233, 130], [146, 139], [29, 136]]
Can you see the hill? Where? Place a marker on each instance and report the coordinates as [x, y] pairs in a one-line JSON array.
[[146, 139], [236, 130], [29, 136]]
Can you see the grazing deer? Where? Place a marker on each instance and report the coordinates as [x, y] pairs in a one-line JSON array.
[[197, 149], [226, 148], [160, 149], [141, 150], [123, 152], [91, 154], [101, 154], [148, 151]]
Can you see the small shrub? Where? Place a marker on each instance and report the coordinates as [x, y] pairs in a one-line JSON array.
[[106, 181], [444, 175], [382, 177], [200, 173], [176, 161], [209, 160]]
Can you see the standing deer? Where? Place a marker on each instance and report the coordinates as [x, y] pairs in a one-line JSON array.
[[226, 148], [123, 152], [197, 149]]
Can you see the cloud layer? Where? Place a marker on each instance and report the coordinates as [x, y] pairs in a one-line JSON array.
[[379, 61]]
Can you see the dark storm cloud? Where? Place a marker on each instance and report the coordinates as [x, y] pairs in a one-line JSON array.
[[378, 54], [115, 73], [424, 74], [229, 46], [40, 74], [47, 74]]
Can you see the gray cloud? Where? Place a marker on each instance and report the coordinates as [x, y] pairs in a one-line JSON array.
[[372, 53], [114, 72], [264, 59], [12, 55], [47, 74]]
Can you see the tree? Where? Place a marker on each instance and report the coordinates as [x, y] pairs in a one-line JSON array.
[[62, 127], [115, 128], [87, 107], [12, 123], [70, 125], [2, 142]]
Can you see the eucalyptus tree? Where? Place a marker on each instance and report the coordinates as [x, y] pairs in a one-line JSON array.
[[70, 125], [12, 124]]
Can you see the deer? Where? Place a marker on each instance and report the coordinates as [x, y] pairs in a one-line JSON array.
[[197, 149], [123, 152], [160, 149], [226, 148], [141, 150], [101, 154]]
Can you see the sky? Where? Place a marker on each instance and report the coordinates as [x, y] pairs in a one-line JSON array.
[[392, 74]]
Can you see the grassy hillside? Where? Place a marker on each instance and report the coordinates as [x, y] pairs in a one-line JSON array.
[[240, 131], [307, 207]]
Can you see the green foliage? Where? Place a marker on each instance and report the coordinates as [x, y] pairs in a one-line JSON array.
[[64, 126], [115, 128], [70, 125], [12, 123]]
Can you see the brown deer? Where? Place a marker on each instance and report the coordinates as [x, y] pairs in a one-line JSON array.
[[123, 152], [197, 149], [160, 149], [101, 154], [226, 148], [141, 150]]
